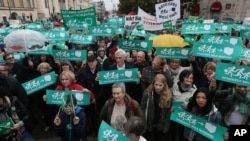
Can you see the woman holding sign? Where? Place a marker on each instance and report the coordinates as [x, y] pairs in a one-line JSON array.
[[201, 105], [68, 82]]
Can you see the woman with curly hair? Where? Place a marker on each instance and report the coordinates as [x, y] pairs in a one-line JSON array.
[[156, 104]]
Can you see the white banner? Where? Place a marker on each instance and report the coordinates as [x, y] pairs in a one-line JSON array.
[[132, 21], [149, 21], [167, 11]]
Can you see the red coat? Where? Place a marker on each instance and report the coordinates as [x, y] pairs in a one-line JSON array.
[[75, 86]]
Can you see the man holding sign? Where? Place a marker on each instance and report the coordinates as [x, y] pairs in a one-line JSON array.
[[13, 118]]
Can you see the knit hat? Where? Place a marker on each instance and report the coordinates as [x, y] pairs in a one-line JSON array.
[[113, 50]]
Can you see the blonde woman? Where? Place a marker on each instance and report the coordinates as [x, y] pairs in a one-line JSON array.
[[156, 104]]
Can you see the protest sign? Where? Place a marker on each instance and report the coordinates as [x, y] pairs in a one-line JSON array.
[[198, 28], [112, 76], [245, 54], [200, 125], [167, 11], [233, 73], [58, 96], [107, 133], [72, 55], [6, 125], [174, 53], [101, 31], [39, 82], [214, 51], [56, 35], [143, 45], [150, 23], [82, 39], [87, 15], [132, 21]]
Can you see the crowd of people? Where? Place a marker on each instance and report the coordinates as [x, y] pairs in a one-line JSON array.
[[140, 110]]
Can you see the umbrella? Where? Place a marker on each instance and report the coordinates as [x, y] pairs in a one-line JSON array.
[[168, 40], [24, 41]]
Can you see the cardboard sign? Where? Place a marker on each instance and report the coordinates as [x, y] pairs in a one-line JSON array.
[[73, 55]]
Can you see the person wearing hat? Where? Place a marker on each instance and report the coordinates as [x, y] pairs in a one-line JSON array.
[[101, 56], [86, 78], [111, 59]]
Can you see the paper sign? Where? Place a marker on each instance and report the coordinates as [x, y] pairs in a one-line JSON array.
[[72, 55], [200, 125], [143, 45], [101, 31], [56, 35], [215, 51], [77, 25], [58, 96], [198, 29], [39, 82], [82, 39], [107, 133], [132, 21], [224, 28], [174, 53], [227, 41], [112, 76], [245, 54], [233, 73], [167, 11], [87, 15], [6, 125]]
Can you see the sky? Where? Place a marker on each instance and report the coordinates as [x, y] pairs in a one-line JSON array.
[[109, 4]]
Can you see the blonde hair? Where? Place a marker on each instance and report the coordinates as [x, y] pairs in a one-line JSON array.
[[165, 94], [209, 65], [44, 65], [69, 74]]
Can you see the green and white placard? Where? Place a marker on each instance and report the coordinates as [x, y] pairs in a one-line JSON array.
[[87, 15], [200, 125], [143, 45], [77, 25], [57, 97], [198, 28], [82, 39], [101, 31], [174, 53], [224, 28], [73, 55], [233, 73], [56, 35], [226, 41], [245, 34], [112, 76], [245, 54], [216, 51], [6, 125], [107, 133], [39, 82]]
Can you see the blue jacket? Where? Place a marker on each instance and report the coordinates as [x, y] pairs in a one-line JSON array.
[[77, 132]]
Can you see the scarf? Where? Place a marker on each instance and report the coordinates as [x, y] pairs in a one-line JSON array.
[[182, 89], [243, 102]]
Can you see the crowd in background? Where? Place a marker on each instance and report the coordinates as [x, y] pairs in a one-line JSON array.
[[147, 103]]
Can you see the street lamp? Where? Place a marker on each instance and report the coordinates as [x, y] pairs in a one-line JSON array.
[[9, 8]]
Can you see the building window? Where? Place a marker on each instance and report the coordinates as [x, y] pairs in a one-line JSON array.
[[29, 4], [1, 3], [21, 3], [46, 3], [11, 3]]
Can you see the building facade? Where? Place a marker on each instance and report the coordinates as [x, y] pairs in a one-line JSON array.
[[230, 9]]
